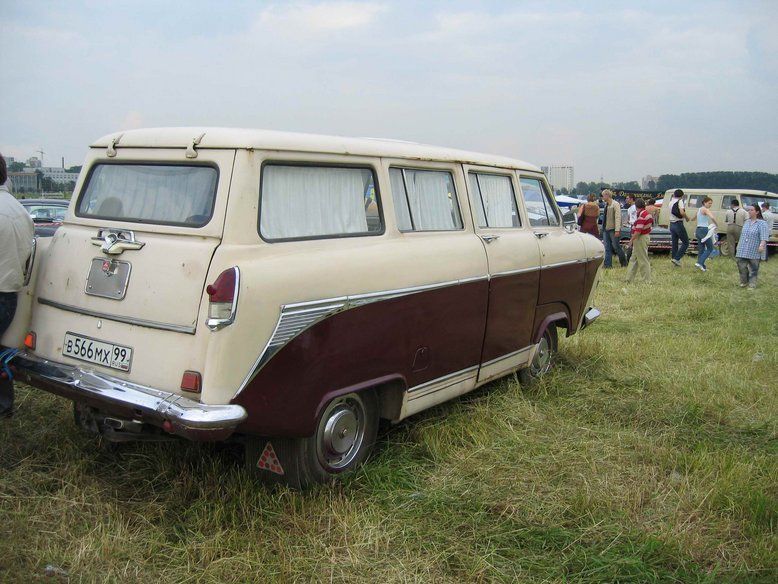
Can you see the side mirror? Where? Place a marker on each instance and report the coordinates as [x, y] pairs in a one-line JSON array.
[[570, 221]]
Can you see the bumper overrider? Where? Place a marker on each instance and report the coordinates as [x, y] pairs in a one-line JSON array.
[[591, 315], [173, 413]]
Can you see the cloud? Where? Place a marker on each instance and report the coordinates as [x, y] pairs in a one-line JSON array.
[[320, 17]]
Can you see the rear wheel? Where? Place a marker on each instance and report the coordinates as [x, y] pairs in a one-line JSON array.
[[344, 436], [543, 360]]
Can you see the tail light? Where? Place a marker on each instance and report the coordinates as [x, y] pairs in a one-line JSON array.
[[31, 340], [223, 299], [191, 381]]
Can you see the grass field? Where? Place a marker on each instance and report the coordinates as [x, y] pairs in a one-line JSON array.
[[650, 454]]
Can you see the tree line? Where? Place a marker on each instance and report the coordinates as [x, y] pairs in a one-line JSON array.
[[760, 181]]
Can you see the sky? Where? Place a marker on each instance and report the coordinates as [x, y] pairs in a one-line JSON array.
[[619, 90]]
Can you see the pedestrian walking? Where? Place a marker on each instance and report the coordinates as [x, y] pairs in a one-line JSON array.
[[705, 220], [16, 236], [611, 227], [640, 237], [588, 214], [677, 228], [752, 247], [734, 219]]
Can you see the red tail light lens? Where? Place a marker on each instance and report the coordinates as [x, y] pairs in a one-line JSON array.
[[223, 298], [191, 381], [31, 340]]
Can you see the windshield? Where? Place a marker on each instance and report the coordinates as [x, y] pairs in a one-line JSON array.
[[145, 193], [757, 200]]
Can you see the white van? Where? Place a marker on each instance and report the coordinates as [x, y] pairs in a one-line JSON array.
[[291, 290]]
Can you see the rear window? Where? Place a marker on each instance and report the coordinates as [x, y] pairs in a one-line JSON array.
[[307, 202], [150, 193]]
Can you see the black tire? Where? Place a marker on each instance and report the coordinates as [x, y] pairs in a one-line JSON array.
[[543, 360], [345, 435]]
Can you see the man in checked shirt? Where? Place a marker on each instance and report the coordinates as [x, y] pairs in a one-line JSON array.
[[641, 233]]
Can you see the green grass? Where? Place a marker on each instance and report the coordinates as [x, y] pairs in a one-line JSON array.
[[649, 454]]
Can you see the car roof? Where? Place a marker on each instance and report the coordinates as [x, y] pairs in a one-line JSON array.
[[222, 138]]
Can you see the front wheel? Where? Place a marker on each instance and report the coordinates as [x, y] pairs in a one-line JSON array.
[[543, 360], [344, 436]]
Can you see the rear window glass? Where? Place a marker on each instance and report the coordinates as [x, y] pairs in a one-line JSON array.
[[146, 193], [318, 201]]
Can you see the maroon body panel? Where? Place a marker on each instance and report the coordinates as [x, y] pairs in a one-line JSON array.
[[365, 343], [414, 338], [512, 302]]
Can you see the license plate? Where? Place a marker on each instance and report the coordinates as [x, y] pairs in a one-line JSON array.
[[97, 352]]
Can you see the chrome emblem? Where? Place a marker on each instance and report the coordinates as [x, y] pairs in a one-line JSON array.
[[114, 242]]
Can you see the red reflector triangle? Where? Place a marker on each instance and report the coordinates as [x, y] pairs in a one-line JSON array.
[[269, 461]]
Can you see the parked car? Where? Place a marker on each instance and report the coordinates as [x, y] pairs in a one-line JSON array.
[[289, 291], [47, 214], [722, 199], [660, 236]]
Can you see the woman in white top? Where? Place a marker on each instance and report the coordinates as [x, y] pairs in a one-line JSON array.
[[704, 243]]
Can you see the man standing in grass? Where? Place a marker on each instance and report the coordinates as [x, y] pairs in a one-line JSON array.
[[734, 219], [610, 230], [16, 235], [641, 233], [677, 228]]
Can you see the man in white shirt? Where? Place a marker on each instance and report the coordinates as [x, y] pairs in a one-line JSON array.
[[735, 218], [677, 228], [632, 211], [16, 233]]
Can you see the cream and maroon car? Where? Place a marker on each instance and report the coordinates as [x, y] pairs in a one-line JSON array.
[[291, 290]]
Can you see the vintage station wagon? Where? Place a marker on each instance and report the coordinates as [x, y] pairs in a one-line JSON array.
[[291, 290]]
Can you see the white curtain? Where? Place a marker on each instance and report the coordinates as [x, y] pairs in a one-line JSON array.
[[497, 196], [305, 201], [163, 194], [431, 195], [400, 202]]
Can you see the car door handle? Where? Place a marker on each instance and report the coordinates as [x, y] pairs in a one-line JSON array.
[[541, 234], [490, 238]]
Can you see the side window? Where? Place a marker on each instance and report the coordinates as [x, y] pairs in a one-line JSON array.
[[494, 200], [695, 201], [726, 201], [425, 200], [300, 202], [540, 209]]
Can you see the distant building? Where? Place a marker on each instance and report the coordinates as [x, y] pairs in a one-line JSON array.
[[23, 182], [59, 175], [560, 176], [34, 162], [645, 182]]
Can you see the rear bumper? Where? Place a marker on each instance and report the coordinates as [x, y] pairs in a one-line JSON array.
[[173, 413]]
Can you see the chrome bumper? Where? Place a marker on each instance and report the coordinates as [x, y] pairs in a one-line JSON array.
[[172, 412], [591, 315]]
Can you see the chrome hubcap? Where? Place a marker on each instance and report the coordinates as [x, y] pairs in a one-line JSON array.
[[542, 361], [341, 432]]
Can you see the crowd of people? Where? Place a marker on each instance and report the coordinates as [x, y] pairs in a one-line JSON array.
[[748, 231]]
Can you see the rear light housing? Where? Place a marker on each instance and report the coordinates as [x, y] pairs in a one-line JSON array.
[[191, 381], [223, 299], [31, 340]]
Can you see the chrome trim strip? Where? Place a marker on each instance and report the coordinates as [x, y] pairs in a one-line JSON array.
[[147, 402], [560, 264], [441, 383], [297, 317], [31, 265], [507, 356], [176, 328], [514, 272]]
